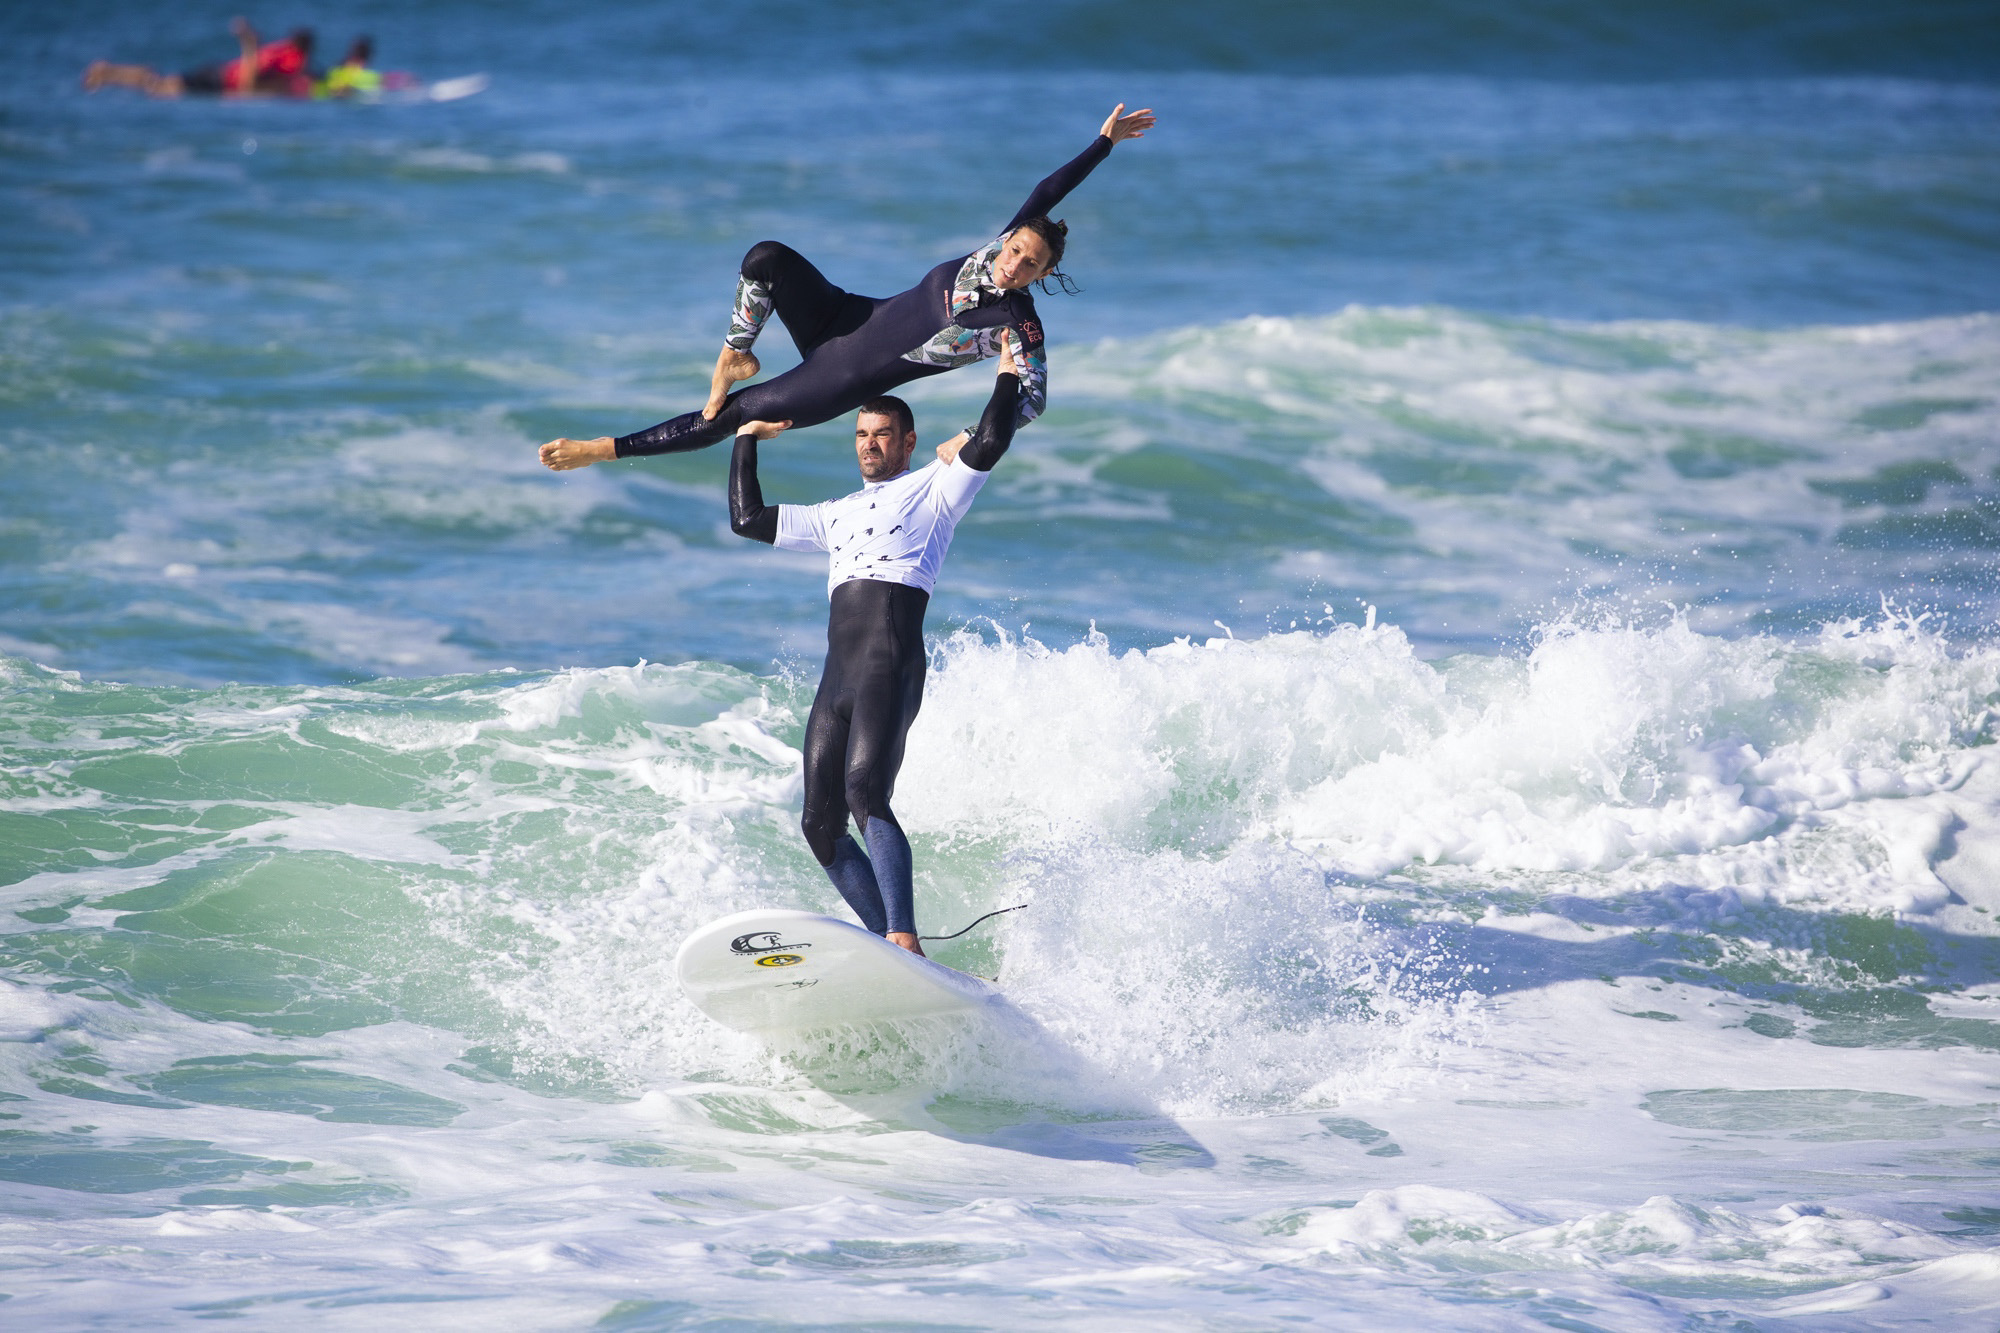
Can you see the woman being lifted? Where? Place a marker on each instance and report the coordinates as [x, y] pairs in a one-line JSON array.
[[860, 347]]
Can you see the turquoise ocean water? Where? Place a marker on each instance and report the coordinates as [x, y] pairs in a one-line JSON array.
[[1486, 676]]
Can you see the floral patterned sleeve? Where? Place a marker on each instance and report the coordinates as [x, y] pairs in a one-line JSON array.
[[747, 314], [1032, 365]]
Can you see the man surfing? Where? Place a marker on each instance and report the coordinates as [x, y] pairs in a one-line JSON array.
[[860, 347], [886, 543]]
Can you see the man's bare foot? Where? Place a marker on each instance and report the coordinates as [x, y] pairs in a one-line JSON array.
[[730, 367], [565, 454], [905, 940], [104, 74]]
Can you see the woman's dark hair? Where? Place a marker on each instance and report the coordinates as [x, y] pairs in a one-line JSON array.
[[1056, 235], [362, 51]]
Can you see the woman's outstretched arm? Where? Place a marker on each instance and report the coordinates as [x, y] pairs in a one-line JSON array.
[[1118, 127]]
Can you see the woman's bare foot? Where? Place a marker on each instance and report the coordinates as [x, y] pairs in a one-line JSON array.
[[905, 940], [730, 367], [93, 78], [564, 454]]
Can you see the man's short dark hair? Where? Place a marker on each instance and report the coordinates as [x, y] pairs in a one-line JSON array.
[[887, 405]]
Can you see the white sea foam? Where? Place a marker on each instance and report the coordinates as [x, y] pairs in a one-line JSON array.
[[1606, 749], [1213, 823], [459, 160], [26, 1012], [1363, 1061]]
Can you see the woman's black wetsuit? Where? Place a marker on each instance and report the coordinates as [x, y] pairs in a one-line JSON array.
[[857, 347]]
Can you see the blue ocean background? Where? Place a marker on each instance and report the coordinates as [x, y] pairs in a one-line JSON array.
[[1486, 675]]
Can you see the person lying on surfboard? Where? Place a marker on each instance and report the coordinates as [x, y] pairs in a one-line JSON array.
[[857, 348], [355, 76], [886, 543], [262, 69]]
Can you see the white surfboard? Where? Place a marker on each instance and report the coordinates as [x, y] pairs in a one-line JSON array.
[[453, 90], [443, 90], [775, 969]]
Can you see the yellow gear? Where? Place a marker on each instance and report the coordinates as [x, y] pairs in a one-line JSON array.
[[350, 81]]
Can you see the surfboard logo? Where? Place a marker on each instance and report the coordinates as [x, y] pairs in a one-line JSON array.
[[779, 959], [762, 941]]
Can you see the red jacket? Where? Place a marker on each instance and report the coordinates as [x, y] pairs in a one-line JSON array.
[[281, 68]]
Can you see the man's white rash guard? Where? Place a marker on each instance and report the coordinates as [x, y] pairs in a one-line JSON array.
[[896, 531]]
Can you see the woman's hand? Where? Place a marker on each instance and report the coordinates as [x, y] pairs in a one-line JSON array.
[[1119, 127]]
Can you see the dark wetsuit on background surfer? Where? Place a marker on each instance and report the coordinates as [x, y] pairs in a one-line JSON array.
[[885, 544], [858, 347]]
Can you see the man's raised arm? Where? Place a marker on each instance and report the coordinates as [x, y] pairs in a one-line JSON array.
[[749, 516], [996, 425]]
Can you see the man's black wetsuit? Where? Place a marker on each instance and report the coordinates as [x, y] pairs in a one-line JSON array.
[[857, 347], [887, 542]]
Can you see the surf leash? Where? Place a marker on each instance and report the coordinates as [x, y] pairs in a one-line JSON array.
[[955, 934]]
